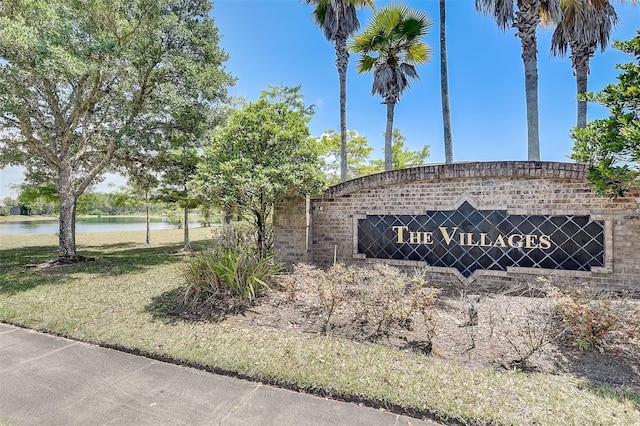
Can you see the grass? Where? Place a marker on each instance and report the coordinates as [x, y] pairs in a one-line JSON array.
[[120, 301]]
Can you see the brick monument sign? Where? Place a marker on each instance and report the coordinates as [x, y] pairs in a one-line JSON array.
[[471, 223]]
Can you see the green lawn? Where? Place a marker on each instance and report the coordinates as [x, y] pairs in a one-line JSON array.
[[120, 301]]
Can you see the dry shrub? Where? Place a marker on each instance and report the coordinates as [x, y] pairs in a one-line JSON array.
[[371, 302], [386, 299], [323, 292], [596, 318], [527, 328]]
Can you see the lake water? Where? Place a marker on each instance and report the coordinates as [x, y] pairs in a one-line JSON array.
[[89, 224]]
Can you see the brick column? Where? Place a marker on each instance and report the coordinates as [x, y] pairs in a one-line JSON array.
[[291, 226]]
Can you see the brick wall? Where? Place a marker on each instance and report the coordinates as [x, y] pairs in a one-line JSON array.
[[323, 228]]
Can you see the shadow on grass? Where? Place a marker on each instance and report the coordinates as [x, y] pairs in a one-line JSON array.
[[604, 372], [618, 393], [21, 271], [162, 307], [165, 308]]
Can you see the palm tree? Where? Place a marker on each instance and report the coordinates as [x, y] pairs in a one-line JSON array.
[[444, 86], [390, 46], [585, 25], [527, 17], [338, 20]]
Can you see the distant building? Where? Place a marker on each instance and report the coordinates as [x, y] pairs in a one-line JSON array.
[[19, 210]]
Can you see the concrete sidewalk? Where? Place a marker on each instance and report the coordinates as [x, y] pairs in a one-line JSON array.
[[47, 380]]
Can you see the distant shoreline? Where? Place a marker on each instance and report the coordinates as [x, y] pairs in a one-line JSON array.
[[23, 218]]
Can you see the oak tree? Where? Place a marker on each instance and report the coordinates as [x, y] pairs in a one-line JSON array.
[[81, 81]]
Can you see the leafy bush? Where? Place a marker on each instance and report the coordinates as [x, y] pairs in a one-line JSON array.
[[232, 236], [4, 211], [243, 234], [224, 280]]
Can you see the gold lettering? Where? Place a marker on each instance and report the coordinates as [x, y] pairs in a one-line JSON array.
[[427, 238], [445, 233], [466, 239], [499, 242], [512, 241], [420, 237], [414, 237], [545, 242], [483, 240], [400, 230], [531, 241]]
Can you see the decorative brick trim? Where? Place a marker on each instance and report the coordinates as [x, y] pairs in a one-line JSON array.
[[493, 169]]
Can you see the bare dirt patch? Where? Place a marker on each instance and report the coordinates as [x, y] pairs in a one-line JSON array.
[[511, 333]]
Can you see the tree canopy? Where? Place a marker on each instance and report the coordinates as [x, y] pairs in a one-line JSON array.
[[611, 146], [263, 153], [358, 151], [82, 82]]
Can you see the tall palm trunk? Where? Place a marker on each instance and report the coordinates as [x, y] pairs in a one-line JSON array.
[[342, 63], [388, 137], [444, 86], [527, 20], [580, 56]]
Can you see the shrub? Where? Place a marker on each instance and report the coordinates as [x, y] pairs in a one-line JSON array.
[[387, 299], [371, 302], [232, 236], [237, 234], [224, 280], [528, 328], [595, 318]]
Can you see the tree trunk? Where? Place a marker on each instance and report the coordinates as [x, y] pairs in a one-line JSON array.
[[68, 202], [527, 20], [581, 86], [148, 239], [260, 225], [388, 137], [444, 85], [67, 236], [187, 243], [342, 63], [531, 87]]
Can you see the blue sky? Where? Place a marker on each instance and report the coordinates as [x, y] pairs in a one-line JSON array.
[[276, 42]]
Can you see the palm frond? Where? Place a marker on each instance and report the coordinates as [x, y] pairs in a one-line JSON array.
[[585, 24], [390, 45], [365, 64], [502, 11], [418, 53], [409, 70]]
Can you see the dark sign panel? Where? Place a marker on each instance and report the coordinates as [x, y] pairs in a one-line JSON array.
[[468, 239]]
